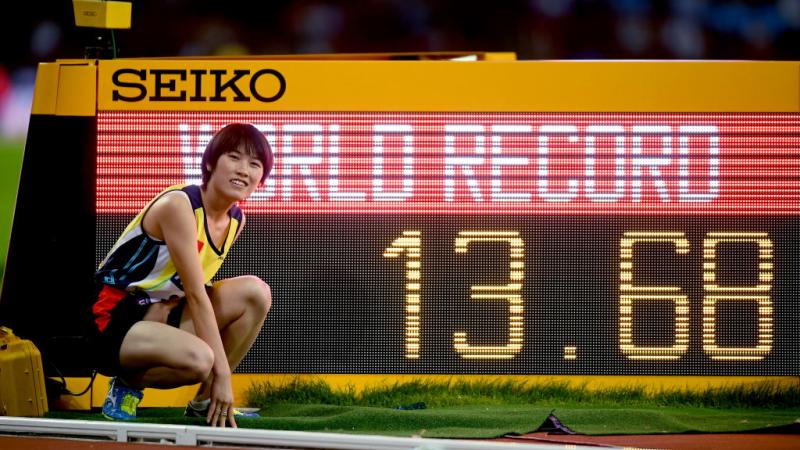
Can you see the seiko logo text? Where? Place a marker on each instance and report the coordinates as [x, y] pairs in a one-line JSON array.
[[180, 85]]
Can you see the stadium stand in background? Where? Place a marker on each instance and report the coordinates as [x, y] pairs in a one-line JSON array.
[[534, 29]]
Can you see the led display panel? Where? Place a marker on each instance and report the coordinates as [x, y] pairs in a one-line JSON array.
[[499, 243]]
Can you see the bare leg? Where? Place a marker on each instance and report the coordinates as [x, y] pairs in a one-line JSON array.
[[154, 354], [240, 306]]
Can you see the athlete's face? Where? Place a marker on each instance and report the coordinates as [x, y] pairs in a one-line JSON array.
[[237, 174]]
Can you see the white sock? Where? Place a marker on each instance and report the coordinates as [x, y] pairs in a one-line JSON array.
[[200, 405]]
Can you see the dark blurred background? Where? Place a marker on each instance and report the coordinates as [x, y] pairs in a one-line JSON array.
[[534, 29]]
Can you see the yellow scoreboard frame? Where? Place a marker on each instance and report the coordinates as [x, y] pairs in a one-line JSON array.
[[81, 88], [492, 82]]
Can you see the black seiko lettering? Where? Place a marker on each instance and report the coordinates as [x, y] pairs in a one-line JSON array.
[[116, 95], [277, 75], [198, 85], [230, 84], [160, 84]]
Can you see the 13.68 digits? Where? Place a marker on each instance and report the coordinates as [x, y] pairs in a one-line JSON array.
[[410, 245]]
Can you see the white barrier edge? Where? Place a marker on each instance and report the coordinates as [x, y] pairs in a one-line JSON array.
[[196, 435]]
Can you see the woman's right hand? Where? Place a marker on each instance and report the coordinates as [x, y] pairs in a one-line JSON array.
[[220, 411]]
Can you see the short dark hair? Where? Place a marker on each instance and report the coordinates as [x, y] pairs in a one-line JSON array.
[[232, 138]]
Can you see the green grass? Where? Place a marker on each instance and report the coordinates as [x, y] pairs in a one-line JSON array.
[[10, 164], [764, 395], [599, 421], [463, 422], [483, 421], [486, 409]]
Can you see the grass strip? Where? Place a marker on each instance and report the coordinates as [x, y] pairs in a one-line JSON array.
[[462, 422], [434, 393], [672, 420], [10, 163], [481, 421]]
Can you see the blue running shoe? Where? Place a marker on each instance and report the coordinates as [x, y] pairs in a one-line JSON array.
[[121, 401]]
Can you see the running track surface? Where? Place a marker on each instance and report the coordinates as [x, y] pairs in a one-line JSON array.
[[669, 441]]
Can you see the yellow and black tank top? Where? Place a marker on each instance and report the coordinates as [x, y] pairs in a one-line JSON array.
[[138, 263]]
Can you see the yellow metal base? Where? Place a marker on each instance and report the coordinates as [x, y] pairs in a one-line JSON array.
[[102, 14]]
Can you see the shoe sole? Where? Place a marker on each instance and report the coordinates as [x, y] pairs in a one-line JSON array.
[[115, 419]]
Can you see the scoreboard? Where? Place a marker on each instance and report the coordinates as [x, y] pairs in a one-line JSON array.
[[487, 217]]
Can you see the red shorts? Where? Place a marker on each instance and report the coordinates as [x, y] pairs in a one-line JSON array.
[[114, 313]]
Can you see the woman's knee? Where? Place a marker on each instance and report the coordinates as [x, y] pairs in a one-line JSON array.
[[199, 361], [260, 294]]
